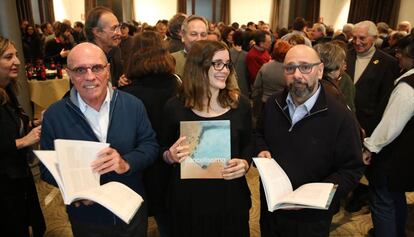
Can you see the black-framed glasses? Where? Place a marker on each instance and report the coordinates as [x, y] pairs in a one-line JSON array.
[[218, 65], [304, 68], [95, 69]]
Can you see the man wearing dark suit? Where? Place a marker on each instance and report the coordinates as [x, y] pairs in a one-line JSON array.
[[373, 73]]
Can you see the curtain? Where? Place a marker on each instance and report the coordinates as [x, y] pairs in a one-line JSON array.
[[24, 11], [225, 11], [89, 4], [374, 10], [182, 6], [308, 9], [274, 16], [46, 11]]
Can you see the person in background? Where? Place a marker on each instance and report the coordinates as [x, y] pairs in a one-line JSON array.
[[258, 54], [270, 78], [57, 50], [214, 35], [78, 34], [162, 27], [194, 28], [151, 69], [228, 33], [373, 73], [298, 29], [19, 201], [238, 59], [209, 207], [126, 44], [174, 28], [404, 26], [390, 144], [306, 125], [103, 29], [32, 45], [333, 58], [93, 111]]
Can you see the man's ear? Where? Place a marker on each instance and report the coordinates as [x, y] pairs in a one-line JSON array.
[[182, 33], [95, 31], [320, 71]]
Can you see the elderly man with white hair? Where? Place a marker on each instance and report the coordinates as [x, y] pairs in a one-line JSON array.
[[373, 72]]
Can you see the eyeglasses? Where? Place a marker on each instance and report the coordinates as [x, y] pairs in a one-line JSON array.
[[116, 27], [304, 68], [96, 69], [218, 65]]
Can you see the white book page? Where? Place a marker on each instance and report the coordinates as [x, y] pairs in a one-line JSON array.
[[74, 158], [311, 194], [276, 183], [116, 197], [49, 160]]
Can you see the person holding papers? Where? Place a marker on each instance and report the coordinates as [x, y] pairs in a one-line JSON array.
[[314, 138], [209, 207], [19, 202], [94, 112]]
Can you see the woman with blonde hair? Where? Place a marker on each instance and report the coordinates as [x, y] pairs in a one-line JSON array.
[[19, 201], [209, 207]]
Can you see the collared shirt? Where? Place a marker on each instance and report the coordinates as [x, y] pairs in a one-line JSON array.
[[297, 113], [399, 110], [98, 120]]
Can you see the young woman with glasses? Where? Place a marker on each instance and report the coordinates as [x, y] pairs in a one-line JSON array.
[[209, 207]]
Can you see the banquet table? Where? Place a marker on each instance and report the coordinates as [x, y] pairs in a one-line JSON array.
[[44, 93]]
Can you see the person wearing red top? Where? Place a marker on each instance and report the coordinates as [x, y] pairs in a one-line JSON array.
[[258, 54]]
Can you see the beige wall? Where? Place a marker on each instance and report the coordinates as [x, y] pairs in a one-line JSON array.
[[69, 9], [151, 11], [243, 11], [406, 11], [335, 12]]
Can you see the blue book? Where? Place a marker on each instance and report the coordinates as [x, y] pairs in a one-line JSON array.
[[209, 148]]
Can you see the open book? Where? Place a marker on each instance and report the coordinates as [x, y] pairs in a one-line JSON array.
[[279, 192], [70, 166], [209, 147]]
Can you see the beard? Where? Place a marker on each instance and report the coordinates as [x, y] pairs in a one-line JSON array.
[[301, 90]]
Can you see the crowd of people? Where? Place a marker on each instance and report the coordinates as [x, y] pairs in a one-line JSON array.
[[328, 106]]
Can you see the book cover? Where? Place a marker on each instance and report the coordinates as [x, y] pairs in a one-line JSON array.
[[209, 148]]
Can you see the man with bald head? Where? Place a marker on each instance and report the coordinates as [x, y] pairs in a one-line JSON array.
[[314, 138], [93, 111]]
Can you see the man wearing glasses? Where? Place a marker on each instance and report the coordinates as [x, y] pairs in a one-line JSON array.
[[103, 29], [93, 111], [314, 138]]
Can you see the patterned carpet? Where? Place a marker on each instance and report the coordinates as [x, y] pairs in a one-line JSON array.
[[344, 224]]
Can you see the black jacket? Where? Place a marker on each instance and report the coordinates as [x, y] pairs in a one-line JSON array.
[[322, 147]]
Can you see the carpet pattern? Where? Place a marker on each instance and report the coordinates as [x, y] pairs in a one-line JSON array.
[[344, 224]]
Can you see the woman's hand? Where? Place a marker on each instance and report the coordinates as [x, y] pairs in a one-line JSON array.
[[31, 138], [235, 168], [177, 152]]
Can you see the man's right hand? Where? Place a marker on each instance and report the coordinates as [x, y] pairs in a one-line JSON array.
[[264, 154]]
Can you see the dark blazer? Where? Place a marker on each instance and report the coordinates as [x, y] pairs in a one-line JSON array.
[[373, 87]]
